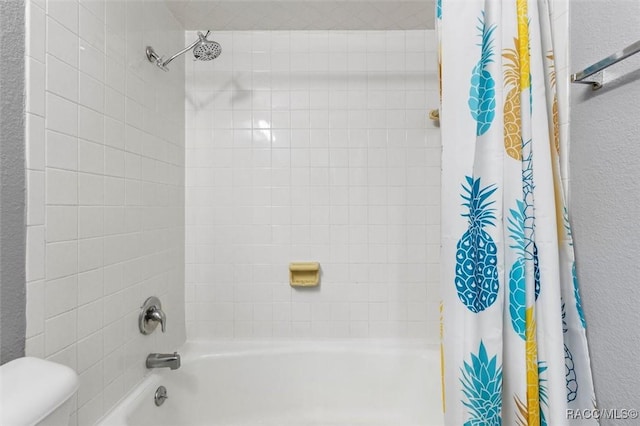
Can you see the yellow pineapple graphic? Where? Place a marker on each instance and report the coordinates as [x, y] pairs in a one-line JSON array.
[[522, 413], [512, 121], [533, 383], [440, 78], [523, 44], [556, 119]]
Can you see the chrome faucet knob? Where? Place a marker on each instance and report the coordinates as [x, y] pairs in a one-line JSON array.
[[157, 315], [151, 315]]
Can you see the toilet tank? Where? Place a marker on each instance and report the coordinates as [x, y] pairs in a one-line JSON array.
[[34, 391]]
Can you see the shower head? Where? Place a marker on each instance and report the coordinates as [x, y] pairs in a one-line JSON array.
[[203, 50], [206, 50]]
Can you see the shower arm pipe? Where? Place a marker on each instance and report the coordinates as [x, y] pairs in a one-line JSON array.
[[186, 49]]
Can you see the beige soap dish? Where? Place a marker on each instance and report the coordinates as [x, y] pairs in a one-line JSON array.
[[304, 274]]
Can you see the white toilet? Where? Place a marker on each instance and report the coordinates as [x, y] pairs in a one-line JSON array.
[[36, 392]]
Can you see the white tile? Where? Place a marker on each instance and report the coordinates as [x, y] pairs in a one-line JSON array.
[[114, 103], [72, 262], [90, 286], [114, 74], [60, 332], [34, 346], [91, 29], [132, 166], [347, 138], [115, 15], [66, 356], [91, 412], [60, 296], [114, 162], [114, 133], [62, 115], [115, 220], [89, 318], [91, 93], [62, 259], [91, 189], [90, 351], [415, 61], [62, 151], [35, 87], [35, 268], [62, 223], [97, 7], [300, 311], [114, 191], [62, 187], [90, 157], [35, 306], [40, 3], [90, 384], [35, 31], [35, 142], [65, 12], [90, 254], [35, 197], [113, 339], [113, 390], [133, 113], [62, 78], [113, 305], [91, 61], [135, 88], [62, 42]]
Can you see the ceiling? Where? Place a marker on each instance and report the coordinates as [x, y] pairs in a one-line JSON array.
[[218, 15]]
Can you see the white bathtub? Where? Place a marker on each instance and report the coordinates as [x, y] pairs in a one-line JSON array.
[[291, 383]]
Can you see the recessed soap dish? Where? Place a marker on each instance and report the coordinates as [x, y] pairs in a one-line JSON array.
[[304, 274]]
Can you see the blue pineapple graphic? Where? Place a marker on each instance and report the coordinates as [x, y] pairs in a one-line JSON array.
[[570, 371], [476, 253], [482, 95], [482, 387], [574, 275], [570, 375], [576, 294], [517, 288], [517, 291], [526, 213]]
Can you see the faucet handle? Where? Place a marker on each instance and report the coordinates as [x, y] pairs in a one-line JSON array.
[[150, 315], [156, 314]]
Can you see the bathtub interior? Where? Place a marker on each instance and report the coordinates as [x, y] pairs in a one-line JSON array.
[[314, 385]]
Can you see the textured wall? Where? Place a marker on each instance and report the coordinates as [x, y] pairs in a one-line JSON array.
[[313, 146], [12, 181], [605, 197], [105, 144]]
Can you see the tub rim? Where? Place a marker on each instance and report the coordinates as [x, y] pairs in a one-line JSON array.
[[195, 350]]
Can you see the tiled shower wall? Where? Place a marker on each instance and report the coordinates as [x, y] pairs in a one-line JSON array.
[[313, 146], [105, 170]]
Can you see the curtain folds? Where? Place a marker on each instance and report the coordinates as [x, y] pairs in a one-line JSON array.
[[514, 347]]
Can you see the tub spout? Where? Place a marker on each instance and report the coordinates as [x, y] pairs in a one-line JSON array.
[[164, 360]]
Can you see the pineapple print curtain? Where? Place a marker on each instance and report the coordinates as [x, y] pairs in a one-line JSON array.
[[514, 345]]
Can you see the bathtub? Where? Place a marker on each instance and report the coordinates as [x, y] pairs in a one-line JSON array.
[[291, 383]]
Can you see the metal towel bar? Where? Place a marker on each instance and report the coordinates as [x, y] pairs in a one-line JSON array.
[[596, 83]]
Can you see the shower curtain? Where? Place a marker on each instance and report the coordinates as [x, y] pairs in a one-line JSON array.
[[514, 347]]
